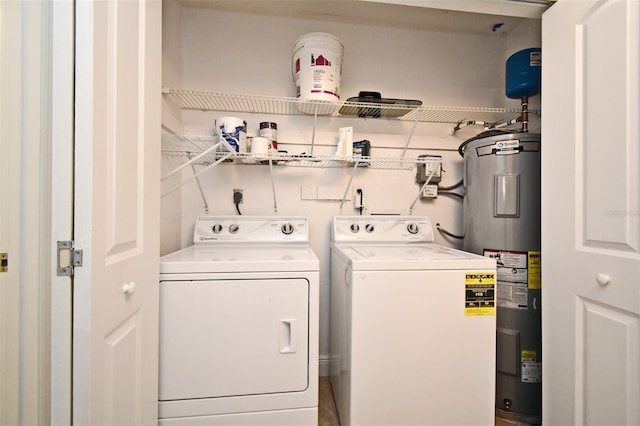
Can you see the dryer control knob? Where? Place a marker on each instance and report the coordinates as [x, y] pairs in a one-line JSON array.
[[369, 227], [287, 229], [217, 228], [413, 228], [354, 228], [234, 227]]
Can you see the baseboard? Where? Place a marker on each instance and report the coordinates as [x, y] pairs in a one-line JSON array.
[[323, 365]]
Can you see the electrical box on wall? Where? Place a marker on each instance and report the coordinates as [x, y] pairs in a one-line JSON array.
[[429, 191], [433, 164]]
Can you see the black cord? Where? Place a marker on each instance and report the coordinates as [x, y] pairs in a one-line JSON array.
[[360, 192], [447, 233], [448, 188], [237, 199], [451, 194]]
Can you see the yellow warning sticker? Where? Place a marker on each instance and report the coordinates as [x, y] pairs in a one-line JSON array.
[[480, 293], [527, 355], [535, 270]]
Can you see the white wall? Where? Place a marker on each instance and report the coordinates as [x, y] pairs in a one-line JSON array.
[[249, 54], [170, 212]]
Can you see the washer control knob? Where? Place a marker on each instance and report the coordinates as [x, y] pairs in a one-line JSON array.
[[287, 229], [413, 228], [234, 228], [369, 227], [355, 228], [217, 228]]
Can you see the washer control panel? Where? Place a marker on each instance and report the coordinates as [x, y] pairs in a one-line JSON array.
[[263, 229], [382, 229]]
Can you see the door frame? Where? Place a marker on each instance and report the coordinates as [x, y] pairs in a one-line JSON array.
[[28, 97], [61, 209], [10, 87]]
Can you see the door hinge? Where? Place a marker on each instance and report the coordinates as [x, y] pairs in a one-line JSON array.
[[4, 262], [68, 258]]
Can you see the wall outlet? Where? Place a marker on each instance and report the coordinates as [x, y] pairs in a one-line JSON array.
[[237, 193]]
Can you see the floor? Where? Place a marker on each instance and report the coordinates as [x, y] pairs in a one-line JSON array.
[[328, 416], [327, 413]]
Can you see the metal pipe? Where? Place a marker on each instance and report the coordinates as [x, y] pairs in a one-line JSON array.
[[525, 115]]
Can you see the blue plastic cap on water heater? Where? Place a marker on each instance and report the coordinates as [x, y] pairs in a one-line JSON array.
[[523, 73]]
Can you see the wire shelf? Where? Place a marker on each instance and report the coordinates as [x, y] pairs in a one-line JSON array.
[[211, 101], [289, 160]]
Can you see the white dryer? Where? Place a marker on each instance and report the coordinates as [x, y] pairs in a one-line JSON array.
[[412, 326], [239, 325]]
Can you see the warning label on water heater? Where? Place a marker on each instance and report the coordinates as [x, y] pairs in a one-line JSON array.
[[531, 368], [518, 272], [479, 294]]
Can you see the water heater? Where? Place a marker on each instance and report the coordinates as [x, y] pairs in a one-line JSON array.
[[502, 221]]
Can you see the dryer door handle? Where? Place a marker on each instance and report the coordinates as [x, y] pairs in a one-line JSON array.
[[288, 329]]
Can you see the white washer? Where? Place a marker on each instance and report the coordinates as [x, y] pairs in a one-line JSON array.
[[239, 325], [412, 326]]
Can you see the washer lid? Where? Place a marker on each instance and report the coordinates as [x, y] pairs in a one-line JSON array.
[[240, 258], [428, 256]]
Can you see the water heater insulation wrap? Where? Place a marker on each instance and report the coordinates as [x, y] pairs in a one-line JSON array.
[[502, 221], [523, 73]]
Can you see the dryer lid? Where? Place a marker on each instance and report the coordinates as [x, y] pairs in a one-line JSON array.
[[240, 258]]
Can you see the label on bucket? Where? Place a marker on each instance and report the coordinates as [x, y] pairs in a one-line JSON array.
[[318, 76], [233, 131]]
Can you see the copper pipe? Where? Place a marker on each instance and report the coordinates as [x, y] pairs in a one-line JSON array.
[[525, 115]]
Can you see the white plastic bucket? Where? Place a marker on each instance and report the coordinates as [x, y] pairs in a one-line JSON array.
[[317, 67]]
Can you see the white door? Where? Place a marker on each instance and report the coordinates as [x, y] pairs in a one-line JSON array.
[[591, 213], [116, 223]]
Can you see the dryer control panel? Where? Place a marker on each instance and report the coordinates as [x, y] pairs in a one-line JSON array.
[[401, 229], [247, 229]]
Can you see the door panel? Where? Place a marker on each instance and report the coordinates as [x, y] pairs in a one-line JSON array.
[[125, 151], [591, 212], [607, 150], [124, 355], [117, 146], [606, 364], [233, 337]]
